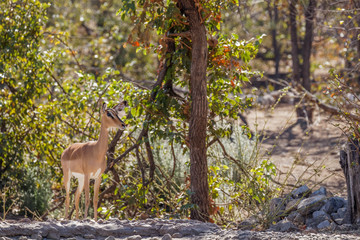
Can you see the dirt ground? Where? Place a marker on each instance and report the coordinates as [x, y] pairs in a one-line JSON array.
[[312, 155]]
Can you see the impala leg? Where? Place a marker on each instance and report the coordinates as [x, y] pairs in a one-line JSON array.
[[96, 196], [77, 195], [87, 192], [66, 180]]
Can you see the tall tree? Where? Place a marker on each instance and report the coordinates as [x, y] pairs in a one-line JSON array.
[[194, 55], [307, 45], [199, 111], [294, 41], [272, 8], [301, 70]]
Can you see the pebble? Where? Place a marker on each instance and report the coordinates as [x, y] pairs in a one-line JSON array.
[[83, 230]]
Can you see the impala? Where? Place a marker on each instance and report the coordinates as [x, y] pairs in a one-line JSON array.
[[86, 161]]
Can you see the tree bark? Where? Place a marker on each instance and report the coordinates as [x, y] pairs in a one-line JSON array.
[[309, 28], [294, 41], [350, 164], [199, 109], [274, 19]]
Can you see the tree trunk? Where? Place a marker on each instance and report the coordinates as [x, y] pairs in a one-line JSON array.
[[198, 117], [350, 164], [356, 5], [274, 19], [294, 41], [306, 51], [304, 112]]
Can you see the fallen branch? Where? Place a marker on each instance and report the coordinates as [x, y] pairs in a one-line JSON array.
[[326, 107]]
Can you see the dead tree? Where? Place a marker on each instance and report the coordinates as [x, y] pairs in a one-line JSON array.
[[350, 164]]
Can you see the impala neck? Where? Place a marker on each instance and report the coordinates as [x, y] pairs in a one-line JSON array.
[[102, 142]]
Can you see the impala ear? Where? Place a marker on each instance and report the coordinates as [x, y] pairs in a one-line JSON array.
[[103, 108], [119, 107]]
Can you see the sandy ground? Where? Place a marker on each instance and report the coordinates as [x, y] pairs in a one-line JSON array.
[[312, 155]]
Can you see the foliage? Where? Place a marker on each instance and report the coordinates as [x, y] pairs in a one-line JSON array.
[[34, 190], [23, 81], [59, 60]]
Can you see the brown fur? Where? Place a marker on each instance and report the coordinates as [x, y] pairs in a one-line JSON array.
[[88, 159]]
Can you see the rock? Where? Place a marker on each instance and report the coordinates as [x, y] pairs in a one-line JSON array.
[[317, 218], [248, 223], [311, 204], [292, 205], [166, 237], [346, 227], [89, 236], [36, 236], [341, 212], [301, 192], [136, 237], [284, 226], [310, 230], [292, 216], [53, 235], [299, 219], [320, 191], [324, 225], [333, 204], [320, 213], [110, 238], [335, 215], [338, 221], [25, 220], [177, 235], [23, 238], [277, 207]]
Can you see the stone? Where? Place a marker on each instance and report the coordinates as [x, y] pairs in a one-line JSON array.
[[346, 227], [320, 191], [319, 213], [110, 238], [311, 204], [341, 212], [23, 238], [292, 216], [324, 225], [333, 204], [338, 221], [53, 235], [36, 236], [89, 236], [301, 192], [248, 223], [25, 220], [136, 237], [284, 226], [277, 207], [292, 205], [166, 237], [299, 219], [334, 215], [177, 235], [317, 218]]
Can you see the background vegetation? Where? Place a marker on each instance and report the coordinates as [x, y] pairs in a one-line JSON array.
[[59, 59]]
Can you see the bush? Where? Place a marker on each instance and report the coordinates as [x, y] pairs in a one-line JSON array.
[[34, 190]]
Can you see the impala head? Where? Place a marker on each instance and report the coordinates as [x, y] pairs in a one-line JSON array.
[[111, 116]]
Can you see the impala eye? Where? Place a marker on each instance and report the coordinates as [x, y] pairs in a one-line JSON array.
[[109, 115]]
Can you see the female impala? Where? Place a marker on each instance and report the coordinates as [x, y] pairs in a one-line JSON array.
[[87, 160]]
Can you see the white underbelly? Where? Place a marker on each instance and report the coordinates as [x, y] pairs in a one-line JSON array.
[[93, 175], [96, 174]]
